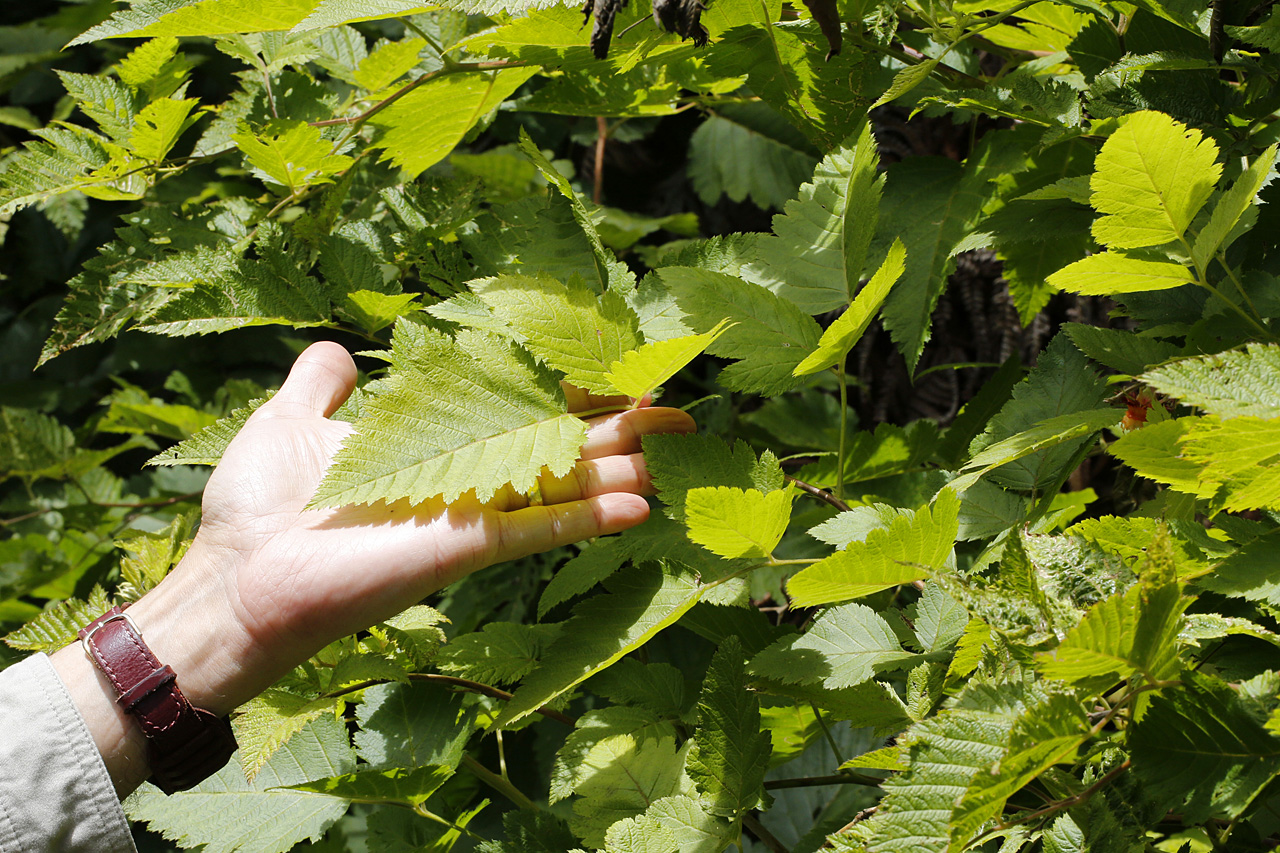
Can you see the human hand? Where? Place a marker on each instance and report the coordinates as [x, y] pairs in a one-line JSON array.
[[267, 583]]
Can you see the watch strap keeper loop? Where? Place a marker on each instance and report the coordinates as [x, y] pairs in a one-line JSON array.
[[185, 744]]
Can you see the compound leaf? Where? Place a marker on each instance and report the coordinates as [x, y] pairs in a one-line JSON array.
[[1151, 178]]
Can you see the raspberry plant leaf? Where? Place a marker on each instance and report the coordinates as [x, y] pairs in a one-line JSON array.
[[431, 414]]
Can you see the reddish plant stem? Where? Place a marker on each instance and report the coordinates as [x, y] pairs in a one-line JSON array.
[[821, 494]]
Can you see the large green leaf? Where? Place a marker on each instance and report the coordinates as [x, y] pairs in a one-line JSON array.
[[640, 603], [736, 522], [841, 336], [199, 18], [787, 66], [1232, 208], [1152, 176], [944, 756], [845, 646], [1108, 273], [769, 334], [755, 157], [1201, 746], [1231, 384], [930, 204], [475, 414], [1128, 633], [224, 813], [1061, 384], [1240, 457], [330, 13], [730, 754], [568, 326], [908, 550], [819, 245], [639, 372], [412, 725], [424, 126], [679, 463]]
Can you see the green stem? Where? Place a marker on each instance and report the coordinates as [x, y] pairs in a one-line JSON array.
[[1231, 274], [603, 410], [831, 741], [801, 561], [502, 786], [1236, 308], [844, 426]]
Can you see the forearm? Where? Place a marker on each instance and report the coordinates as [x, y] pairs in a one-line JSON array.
[[189, 623]]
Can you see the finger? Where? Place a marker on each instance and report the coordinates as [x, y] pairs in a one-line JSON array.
[[320, 381], [588, 479], [540, 528], [581, 400], [621, 433]]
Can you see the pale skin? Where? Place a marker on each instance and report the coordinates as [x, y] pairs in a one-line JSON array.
[[267, 583]]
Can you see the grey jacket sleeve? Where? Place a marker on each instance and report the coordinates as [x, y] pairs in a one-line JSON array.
[[55, 794]]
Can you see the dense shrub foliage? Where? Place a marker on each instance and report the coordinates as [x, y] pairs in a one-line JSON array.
[[1045, 622]]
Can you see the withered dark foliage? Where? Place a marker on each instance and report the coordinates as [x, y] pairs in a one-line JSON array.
[[674, 16]]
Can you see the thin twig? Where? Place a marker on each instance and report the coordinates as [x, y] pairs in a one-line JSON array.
[[456, 68], [602, 136], [5, 522], [1050, 810], [818, 781], [464, 683], [767, 838], [820, 494]]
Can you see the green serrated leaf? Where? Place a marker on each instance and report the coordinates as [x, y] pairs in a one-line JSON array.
[[1110, 273], [571, 767], [735, 522], [269, 720], [1220, 231], [412, 725], [568, 327], [678, 463], [906, 551], [408, 786], [730, 753], [476, 414], [603, 629], [1151, 178], [819, 245], [641, 371], [1133, 632], [841, 336], [224, 813], [1231, 384], [501, 653], [296, 156], [768, 336], [198, 18], [1200, 748], [1060, 384], [845, 646], [425, 125]]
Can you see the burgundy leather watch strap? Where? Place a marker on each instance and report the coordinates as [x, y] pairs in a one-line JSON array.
[[185, 744]]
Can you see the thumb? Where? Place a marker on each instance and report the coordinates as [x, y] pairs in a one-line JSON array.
[[320, 381]]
